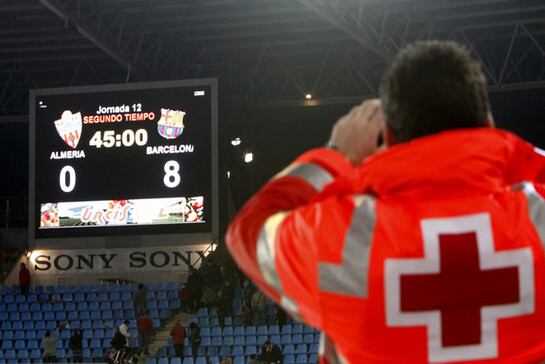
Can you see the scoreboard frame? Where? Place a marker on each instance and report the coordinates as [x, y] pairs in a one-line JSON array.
[[127, 239]]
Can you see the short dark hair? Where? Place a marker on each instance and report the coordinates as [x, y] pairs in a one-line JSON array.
[[433, 86]]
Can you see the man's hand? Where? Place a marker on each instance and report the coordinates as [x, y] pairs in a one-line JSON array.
[[356, 134]]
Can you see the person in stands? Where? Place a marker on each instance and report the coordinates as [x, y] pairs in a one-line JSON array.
[[426, 249], [145, 330], [50, 347], [139, 298], [119, 342], [259, 307], [194, 338], [76, 345], [195, 286], [124, 330], [24, 279], [271, 354], [178, 335]]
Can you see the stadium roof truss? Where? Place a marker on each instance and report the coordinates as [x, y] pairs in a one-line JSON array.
[[266, 53]]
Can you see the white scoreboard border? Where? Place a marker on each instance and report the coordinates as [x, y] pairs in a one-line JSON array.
[[127, 240]]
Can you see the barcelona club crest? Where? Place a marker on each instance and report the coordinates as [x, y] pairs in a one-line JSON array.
[[69, 128], [171, 124]]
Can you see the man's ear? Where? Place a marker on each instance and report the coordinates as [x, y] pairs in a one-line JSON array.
[[388, 135], [490, 120]]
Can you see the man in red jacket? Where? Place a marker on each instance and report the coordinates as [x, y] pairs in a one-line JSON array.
[[430, 250], [178, 335], [144, 324], [24, 279]]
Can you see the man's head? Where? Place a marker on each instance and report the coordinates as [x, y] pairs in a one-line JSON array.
[[268, 345], [126, 322], [431, 87]]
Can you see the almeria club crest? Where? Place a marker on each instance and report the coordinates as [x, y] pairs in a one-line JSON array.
[[69, 128], [171, 124]]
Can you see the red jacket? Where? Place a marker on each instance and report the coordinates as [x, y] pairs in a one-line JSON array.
[[144, 324], [24, 277], [178, 334], [430, 251]]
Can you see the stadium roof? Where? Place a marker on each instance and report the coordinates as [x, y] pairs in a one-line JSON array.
[[265, 52]]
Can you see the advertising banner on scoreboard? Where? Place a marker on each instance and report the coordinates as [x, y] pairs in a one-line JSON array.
[[134, 260], [149, 211]]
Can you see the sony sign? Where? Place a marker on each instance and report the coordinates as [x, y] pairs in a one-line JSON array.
[[174, 258]]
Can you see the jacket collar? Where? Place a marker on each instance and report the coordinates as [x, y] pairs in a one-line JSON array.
[[451, 163]]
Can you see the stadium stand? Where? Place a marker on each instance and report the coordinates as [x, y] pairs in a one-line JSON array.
[[96, 309]]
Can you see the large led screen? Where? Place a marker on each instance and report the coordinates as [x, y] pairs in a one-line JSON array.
[[123, 159]]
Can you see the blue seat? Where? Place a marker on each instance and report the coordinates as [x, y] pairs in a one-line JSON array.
[[161, 295], [297, 339], [186, 361], [313, 358], [93, 306], [97, 324], [95, 315], [4, 316], [70, 306], [289, 359], [51, 325], [35, 354], [49, 315], [238, 351], [127, 305], [19, 335], [262, 330], [297, 329], [239, 331], [10, 354], [206, 341], [239, 360], [117, 305], [163, 361], [216, 341], [308, 339], [200, 360], [225, 351], [289, 349], [275, 339], [60, 316], [88, 334], [239, 340], [313, 349], [261, 339], [286, 339], [7, 335], [16, 325], [97, 354], [105, 306], [301, 349], [250, 350], [150, 360], [30, 334], [23, 354], [15, 316], [37, 316], [250, 330], [205, 331], [58, 307], [301, 359], [82, 307], [32, 344], [212, 351], [102, 296], [216, 331], [72, 315], [228, 340], [79, 297], [164, 314], [214, 321], [7, 344], [86, 325], [286, 329], [115, 296], [23, 307], [204, 322]]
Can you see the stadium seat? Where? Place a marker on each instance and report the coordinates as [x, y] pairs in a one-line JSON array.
[[239, 360], [313, 349], [4, 316], [10, 354], [261, 339], [301, 359], [297, 329], [262, 330], [286, 329], [95, 315], [79, 297], [14, 316], [286, 339], [214, 360], [93, 306], [250, 350], [239, 341], [301, 349], [225, 351], [251, 340], [30, 334], [83, 307], [97, 354], [228, 340], [250, 330], [7, 344], [214, 321], [297, 339], [275, 339], [205, 341], [151, 360], [117, 305], [35, 354], [308, 339], [58, 307], [237, 351], [289, 359], [313, 358], [16, 325], [186, 361], [32, 344], [102, 297], [212, 351], [239, 331], [200, 360], [60, 316], [51, 325], [289, 349]]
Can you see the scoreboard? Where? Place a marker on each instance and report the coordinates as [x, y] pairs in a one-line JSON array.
[[129, 159]]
